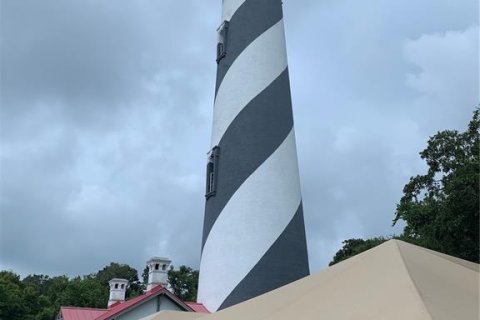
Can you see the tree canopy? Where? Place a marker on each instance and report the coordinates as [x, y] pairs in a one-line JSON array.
[[352, 247], [36, 297], [12, 303], [39, 297], [184, 282], [441, 207], [122, 271]]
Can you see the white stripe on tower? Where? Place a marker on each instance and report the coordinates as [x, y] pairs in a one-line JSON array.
[[254, 233], [253, 71], [271, 208]]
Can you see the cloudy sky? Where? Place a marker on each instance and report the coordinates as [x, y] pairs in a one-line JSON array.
[[106, 110]]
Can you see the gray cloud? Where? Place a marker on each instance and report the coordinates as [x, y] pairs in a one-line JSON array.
[[106, 114]]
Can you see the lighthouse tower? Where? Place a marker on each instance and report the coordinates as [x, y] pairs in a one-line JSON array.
[[254, 233]]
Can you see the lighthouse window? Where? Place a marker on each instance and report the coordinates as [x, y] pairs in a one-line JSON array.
[[123, 286], [164, 267], [222, 41], [116, 285], [212, 168], [157, 266]]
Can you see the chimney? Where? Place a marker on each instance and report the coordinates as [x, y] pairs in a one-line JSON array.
[[118, 287], [157, 272]]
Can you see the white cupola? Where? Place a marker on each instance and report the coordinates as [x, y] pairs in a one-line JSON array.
[[118, 287], [157, 272]]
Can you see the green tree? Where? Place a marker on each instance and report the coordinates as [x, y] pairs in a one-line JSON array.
[[47, 313], [54, 289], [441, 207], [12, 304], [39, 297], [122, 271], [31, 301], [352, 247], [145, 276], [38, 281], [38, 303], [184, 282], [85, 292]]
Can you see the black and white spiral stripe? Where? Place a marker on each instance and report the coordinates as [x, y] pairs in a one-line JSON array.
[[254, 234]]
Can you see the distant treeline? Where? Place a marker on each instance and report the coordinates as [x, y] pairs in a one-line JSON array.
[[39, 297]]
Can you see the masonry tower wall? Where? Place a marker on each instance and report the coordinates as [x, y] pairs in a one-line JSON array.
[[254, 233]]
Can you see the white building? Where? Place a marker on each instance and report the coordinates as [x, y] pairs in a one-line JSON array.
[[156, 298]]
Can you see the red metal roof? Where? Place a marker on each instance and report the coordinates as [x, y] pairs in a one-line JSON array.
[[197, 307], [114, 304], [132, 302], [73, 313]]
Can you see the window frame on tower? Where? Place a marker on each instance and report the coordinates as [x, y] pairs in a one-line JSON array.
[[212, 172], [222, 41]]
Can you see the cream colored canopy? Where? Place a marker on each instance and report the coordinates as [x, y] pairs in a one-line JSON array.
[[395, 280], [174, 315]]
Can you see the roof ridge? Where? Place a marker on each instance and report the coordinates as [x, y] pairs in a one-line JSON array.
[[450, 258], [83, 308], [152, 293], [414, 283], [119, 308], [342, 268], [176, 299]]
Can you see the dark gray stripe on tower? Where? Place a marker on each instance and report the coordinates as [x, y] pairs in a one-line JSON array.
[[252, 19], [273, 270], [251, 138]]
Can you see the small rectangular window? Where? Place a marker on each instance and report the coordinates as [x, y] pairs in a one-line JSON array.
[[212, 169], [222, 41]]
